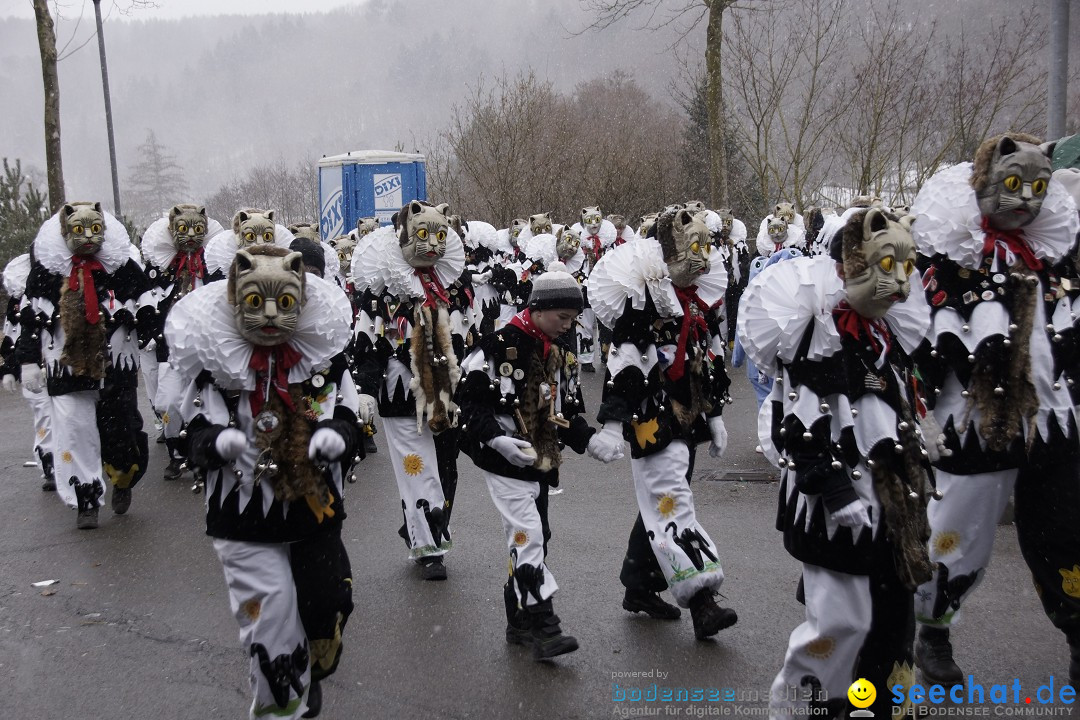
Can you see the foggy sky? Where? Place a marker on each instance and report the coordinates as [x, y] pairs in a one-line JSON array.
[[174, 9]]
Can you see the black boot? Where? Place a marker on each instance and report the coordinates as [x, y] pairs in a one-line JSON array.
[[933, 655], [588, 367], [88, 499], [176, 465], [314, 700], [121, 500], [433, 568], [709, 618], [545, 635], [48, 483], [517, 621], [650, 603], [370, 448]]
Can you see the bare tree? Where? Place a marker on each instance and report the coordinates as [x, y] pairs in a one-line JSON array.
[[47, 45], [292, 191]]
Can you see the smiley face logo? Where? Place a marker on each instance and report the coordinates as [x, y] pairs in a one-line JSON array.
[[862, 693]]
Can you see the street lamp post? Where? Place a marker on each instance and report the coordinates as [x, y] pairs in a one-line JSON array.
[[108, 110]]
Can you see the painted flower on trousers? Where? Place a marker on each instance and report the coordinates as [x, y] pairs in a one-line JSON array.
[[413, 464]]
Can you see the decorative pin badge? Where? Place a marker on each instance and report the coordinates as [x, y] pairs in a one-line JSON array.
[[506, 369], [519, 374], [266, 421], [318, 381]]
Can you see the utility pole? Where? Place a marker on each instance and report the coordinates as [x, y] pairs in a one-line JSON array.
[[1059, 69], [108, 110]]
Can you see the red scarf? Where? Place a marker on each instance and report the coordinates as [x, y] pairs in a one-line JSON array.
[[83, 268], [693, 323], [1014, 240], [597, 248], [284, 357], [524, 322], [433, 289], [192, 262], [851, 323]]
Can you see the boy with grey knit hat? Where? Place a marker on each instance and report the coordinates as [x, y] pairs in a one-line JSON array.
[[519, 398]]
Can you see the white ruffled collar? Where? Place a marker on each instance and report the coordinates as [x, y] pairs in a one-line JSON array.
[[202, 334], [378, 264], [158, 248], [636, 270], [52, 252], [221, 248], [607, 233], [948, 220], [542, 248], [15, 274]]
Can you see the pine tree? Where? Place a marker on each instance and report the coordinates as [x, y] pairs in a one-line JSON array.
[[23, 208], [155, 182]]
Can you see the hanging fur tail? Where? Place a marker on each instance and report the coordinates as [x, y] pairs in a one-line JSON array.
[[434, 367], [84, 343], [297, 476]]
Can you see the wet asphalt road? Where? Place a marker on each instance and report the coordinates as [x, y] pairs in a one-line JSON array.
[[139, 624]]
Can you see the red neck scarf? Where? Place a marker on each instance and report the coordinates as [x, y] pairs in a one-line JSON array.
[[851, 323], [693, 324], [82, 268], [433, 289], [284, 356], [1014, 240], [193, 263], [524, 322], [597, 247]]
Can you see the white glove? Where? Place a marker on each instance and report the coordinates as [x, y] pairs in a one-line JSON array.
[[366, 409], [230, 444], [481, 278], [852, 515], [518, 453], [32, 378], [607, 444], [933, 438], [9, 383], [326, 444], [719, 436]]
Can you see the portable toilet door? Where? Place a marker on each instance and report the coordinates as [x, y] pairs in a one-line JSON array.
[[367, 183]]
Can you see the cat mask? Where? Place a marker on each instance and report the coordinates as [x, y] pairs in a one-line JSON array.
[[591, 219], [423, 234], [366, 226], [344, 247], [619, 222], [187, 225], [540, 223], [778, 229], [567, 244], [1011, 183], [306, 231], [878, 258], [82, 225], [784, 210], [726, 219], [254, 227], [684, 240], [266, 288]]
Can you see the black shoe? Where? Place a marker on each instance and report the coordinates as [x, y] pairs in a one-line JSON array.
[[545, 635], [588, 367], [121, 500], [709, 618], [370, 448], [650, 603], [517, 634], [87, 519], [48, 485], [433, 569], [161, 438], [174, 470], [314, 700], [933, 655]]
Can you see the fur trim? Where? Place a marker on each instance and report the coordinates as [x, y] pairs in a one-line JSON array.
[[543, 434], [84, 343], [434, 367], [297, 476]]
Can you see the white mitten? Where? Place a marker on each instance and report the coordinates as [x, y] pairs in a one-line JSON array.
[[607, 444], [481, 278], [326, 444], [9, 383], [32, 378], [366, 409], [933, 438], [719, 436], [852, 515], [518, 453], [230, 444]]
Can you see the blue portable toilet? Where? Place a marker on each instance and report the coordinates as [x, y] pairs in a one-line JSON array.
[[366, 183]]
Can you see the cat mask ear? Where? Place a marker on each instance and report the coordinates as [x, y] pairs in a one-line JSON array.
[[294, 262]]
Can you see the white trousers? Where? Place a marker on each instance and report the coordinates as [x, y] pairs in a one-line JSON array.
[[826, 645], [586, 335], [148, 364], [262, 595], [41, 405], [506, 314], [681, 545], [516, 502], [962, 527], [77, 448], [170, 388], [417, 471]]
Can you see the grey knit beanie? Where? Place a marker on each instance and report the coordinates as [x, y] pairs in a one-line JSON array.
[[555, 288]]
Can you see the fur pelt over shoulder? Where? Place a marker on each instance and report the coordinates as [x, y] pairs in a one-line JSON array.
[[542, 433], [297, 475], [84, 343], [434, 367]]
